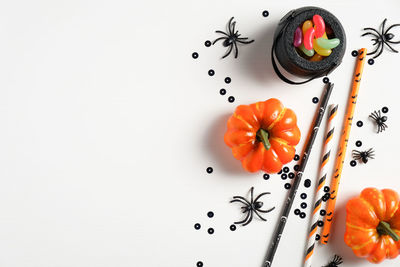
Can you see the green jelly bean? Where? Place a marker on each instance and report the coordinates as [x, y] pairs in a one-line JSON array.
[[328, 43], [309, 53]]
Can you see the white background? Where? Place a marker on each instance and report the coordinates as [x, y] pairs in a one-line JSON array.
[[108, 126]]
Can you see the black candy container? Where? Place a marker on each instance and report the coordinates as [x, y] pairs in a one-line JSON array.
[[290, 59]]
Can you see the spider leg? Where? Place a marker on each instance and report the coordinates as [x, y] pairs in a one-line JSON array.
[[383, 26], [370, 33], [251, 194], [228, 52], [244, 220], [230, 25], [391, 48], [372, 29], [260, 195], [397, 42], [221, 38], [259, 216], [380, 52], [372, 116], [391, 26], [356, 152], [221, 32], [238, 200], [376, 41], [236, 50], [241, 198], [244, 42], [250, 219], [376, 50], [266, 211], [233, 27]]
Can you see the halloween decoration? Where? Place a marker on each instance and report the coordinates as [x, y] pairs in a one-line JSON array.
[[363, 155], [335, 262], [379, 120]]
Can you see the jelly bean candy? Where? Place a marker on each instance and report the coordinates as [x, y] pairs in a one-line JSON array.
[[307, 25], [321, 51], [316, 57], [309, 53], [298, 37], [328, 43], [319, 26], [308, 38]]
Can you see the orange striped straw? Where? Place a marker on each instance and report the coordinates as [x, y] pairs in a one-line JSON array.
[[362, 53]]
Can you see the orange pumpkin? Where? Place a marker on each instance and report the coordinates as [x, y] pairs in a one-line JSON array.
[[373, 224], [263, 135]]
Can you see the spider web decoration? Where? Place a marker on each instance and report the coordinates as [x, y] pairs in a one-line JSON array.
[[382, 38]]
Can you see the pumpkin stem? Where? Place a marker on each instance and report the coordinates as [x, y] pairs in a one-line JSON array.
[[264, 135], [384, 229]]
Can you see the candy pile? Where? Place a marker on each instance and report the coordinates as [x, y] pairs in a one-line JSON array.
[[312, 37]]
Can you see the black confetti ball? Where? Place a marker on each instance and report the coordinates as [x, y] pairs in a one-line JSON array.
[[297, 211], [354, 53], [199, 264], [228, 80], [265, 13], [283, 176], [320, 223], [232, 227], [222, 91], [302, 215], [326, 189], [353, 163], [385, 109], [197, 226], [266, 176], [209, 170], [287, 186], [360, 123], [207, 43], [325, 80], [303, 195], [296, 157], [307, 183], [371, 61], [315, 100], [210, 231], [195, 55], [211, 72], [291, 175], [317, 237], [303, 205], [280, 171], [322, 212], [231, 99], [210, 214], [358, 143], [286, 169]]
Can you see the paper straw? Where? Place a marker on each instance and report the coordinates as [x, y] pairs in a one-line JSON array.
[[319, 192], [362, 53], [292, 193]]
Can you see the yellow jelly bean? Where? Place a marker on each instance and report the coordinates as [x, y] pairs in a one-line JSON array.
[[306, 25]]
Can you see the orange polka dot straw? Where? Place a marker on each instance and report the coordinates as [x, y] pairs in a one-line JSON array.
[[344, 138]]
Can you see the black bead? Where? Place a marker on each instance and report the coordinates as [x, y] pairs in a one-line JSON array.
[[199, 264], [222, 91], [231, 99], [296, 157], [209, 170], [307, 183], [303, 205], [197, 226], [302, 215], [228, 80], [371, 61], [232, 227], [297, 211], [291, 175], [280, 171], [325, 80], [353, 163], [322, 212], [320, 223], [317, 237], [358, 143], [210, 231], [195, 55], [287, 186], [286, 169], [315, 100], [385, 109], [326, 189], [207, 43], [211, 72], [283, 176], [265, 13], [303, 195], [360, 123], [210, 214], [266, 176], [354, 53]]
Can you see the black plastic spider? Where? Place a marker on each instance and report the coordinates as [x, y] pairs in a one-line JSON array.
[[231, 39], [363, 155], [382, 38], [379, 120], [252, 206], [336, 261]]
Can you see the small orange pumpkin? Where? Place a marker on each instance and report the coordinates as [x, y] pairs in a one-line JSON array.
[[373, 224]]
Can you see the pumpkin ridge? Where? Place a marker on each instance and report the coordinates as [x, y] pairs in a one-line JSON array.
[[359, 228], [279, 118], [280, 140], [243, 120], [369, 206]]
